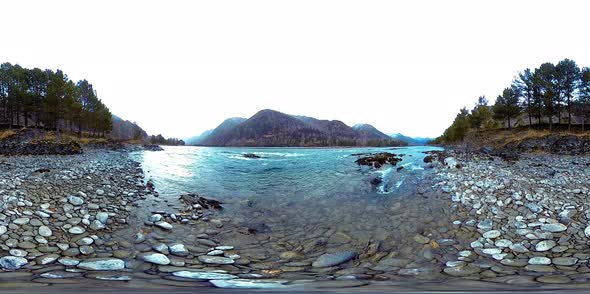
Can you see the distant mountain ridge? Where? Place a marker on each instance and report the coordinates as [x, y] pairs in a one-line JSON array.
[[270, 128], [411, 140]]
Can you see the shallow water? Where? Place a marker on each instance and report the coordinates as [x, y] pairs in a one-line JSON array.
[[297, 172], [294, 197]]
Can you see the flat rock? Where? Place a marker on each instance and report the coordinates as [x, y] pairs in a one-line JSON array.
[[164, 225], [178, 249], [540, 260], [554, 227], [564, 261], [75, 200], [545, 245], [248, 284], [215, 259], [45, 231], [11, 263], [554, 279], [102, 264], [203, 275], [156, 258], [462, 271], [333, 259], [76, 230]]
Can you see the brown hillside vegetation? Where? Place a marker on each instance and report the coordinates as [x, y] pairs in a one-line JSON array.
[[527, 140]]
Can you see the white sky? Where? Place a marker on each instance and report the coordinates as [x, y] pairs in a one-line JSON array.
[[181, 67]]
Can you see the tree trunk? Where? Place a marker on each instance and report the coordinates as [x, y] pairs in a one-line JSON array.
[[569, 114]]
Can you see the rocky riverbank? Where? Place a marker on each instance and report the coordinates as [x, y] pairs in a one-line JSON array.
[[93, 218], [528, 220]]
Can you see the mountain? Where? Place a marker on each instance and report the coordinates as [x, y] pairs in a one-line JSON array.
[[126, 130], [411, 140], [198, 140], [272, 128], [370, 132], [226, 126]]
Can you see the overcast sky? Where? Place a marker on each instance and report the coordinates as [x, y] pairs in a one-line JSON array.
[[181, 67]]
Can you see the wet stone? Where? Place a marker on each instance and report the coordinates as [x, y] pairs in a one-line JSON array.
[[47, 259], [203, 275], [21, 221], [164, 225], [485, 225], [45, 231], [421, 239], [215, 259], [540, 260], [554, 279], [109, 276], [554, 227], [545, 245], [492, 234], [156, 258], [11, 263], [248, 284], [102, 264], [564, 261], [26, 245], [75, 200], [462, 271], [76, 230], [333, 259], [540, 268], [178, 250]]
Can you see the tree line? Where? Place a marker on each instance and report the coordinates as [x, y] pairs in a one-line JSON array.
[[160, 140], [49, 99], [549, 94]]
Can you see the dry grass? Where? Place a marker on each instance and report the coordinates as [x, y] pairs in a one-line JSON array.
[[6, 134], [498, 138]]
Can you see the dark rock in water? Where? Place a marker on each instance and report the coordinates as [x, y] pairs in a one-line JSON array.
[[42, 170], [258, 227], [428, 158], [251, 155], [379, 159], [152, 147], [193, 199], [376, 181], [333, 259], [400, 168]]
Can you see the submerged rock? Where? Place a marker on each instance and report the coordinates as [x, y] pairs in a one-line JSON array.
[[379, 159], [248, 284], [332, 259], [204, 275]]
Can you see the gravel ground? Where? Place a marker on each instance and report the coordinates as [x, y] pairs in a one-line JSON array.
[[93, 219]]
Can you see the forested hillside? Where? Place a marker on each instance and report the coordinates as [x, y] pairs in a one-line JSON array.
[[49, 99], [552, 97]]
